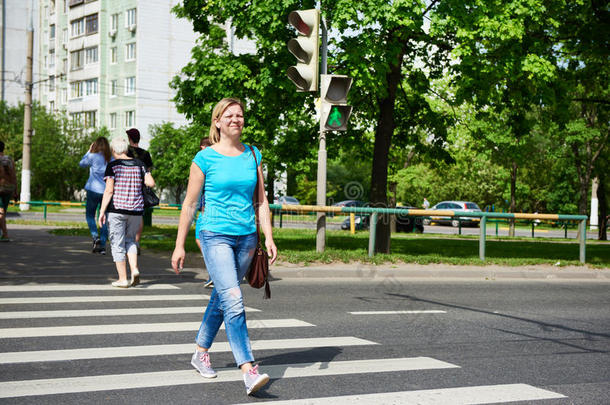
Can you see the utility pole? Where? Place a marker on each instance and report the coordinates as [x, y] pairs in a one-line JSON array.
[[27, 116], [3, 49], [321, 186]]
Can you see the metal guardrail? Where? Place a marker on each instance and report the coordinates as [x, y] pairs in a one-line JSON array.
[[374, 212], [483, 216]]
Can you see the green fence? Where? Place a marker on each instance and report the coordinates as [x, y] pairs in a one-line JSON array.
[[484, 217]]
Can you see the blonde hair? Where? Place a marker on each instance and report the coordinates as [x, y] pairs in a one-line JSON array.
[[119, 144], [220, 108]]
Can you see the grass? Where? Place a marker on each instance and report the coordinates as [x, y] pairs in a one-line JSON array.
[[299, 246]]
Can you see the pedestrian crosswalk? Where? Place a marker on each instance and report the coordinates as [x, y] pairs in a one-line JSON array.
[[25, 328]]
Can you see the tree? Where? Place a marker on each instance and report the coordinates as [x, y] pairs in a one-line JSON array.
[[278, 120], [506, 66], [389, 75], [57, 147], [172, 150]]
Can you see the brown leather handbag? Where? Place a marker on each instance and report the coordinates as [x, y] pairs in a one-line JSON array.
[[258, 273]]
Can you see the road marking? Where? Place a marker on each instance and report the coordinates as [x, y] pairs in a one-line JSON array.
[[11, 389], [103, 298], [163, 350], [106, 312], [82, 287], [431, 311], [135, 328], [485, 394]]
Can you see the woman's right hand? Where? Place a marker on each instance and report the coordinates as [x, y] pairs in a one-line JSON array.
[[178, 259]]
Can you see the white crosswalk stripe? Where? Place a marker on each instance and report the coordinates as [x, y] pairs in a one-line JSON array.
[[103, 298], [136, 328], [115, 305], [166, 378], [106, 312], [430, 311], [161, 350], [82, 287], [487, 394]]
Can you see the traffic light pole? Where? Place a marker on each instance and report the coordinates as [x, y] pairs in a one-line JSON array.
[[321, 186]]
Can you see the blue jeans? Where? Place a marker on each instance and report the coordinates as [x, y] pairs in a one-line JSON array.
[[227, 258], [94, 200]]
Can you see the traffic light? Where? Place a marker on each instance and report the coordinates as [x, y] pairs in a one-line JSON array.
[[335, 111], [305, 48]]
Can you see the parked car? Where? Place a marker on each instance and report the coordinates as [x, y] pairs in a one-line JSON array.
[[454, 206], [347, 203], [361, 222], [286, 200], [404, 223], [408, 223], [350, 203]]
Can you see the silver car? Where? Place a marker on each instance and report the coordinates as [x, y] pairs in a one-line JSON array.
[[455, 206]]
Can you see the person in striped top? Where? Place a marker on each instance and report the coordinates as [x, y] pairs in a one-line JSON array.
[[124, 203]]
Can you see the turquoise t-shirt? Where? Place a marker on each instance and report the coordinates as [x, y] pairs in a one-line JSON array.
[[229, 187]]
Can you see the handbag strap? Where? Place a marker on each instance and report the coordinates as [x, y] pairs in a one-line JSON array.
[[258, 233]]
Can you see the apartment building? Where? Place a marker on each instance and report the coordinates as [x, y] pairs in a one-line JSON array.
[[16, 16], [108, 62]]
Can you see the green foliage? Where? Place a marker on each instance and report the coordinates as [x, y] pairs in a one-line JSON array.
[[172, 150], [57, 147]]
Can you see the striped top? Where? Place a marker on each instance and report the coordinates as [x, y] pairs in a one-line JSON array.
[[127, 197]]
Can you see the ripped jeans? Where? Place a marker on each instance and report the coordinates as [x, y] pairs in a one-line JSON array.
[[227, 258]]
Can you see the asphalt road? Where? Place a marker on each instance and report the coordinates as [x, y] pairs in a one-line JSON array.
[[475, 342]]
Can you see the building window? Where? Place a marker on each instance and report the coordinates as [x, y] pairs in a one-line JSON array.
[[112, 121], [76, 90], [76, 2], [64, 96], [51, 106], [64, 63], [52, 59], [91, 24], [52, 5], [77, 118], [130, 17], [77, 59], [90, 119], [91, 55], [77, 27], [130, 85], [52, 32], [130, 51], [64, 36], [113, 88], [114, 22], [130, 119], [90, 87], [113, 57], [51, 83]]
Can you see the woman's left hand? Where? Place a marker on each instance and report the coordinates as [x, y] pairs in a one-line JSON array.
[[271, 250]]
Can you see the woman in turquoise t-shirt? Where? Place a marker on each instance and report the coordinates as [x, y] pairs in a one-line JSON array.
[[229, 171]]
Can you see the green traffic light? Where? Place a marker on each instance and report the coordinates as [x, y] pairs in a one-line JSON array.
[[334, 118]]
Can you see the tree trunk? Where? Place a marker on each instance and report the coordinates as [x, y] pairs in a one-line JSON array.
[[270, 189], [513, 200], [603, 209], [383, 140], [178, 194]]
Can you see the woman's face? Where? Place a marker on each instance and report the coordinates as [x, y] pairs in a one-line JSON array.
[[231, 121]]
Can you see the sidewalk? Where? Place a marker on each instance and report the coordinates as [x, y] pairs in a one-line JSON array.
[[34, 255]]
